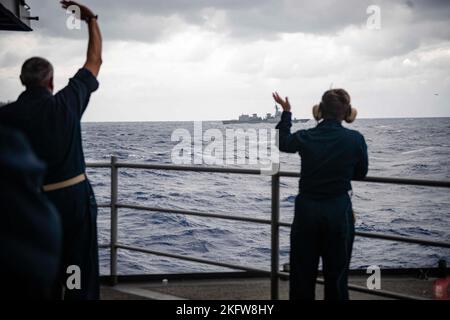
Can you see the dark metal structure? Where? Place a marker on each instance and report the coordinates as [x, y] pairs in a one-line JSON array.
[[274, 273], [15, 15]]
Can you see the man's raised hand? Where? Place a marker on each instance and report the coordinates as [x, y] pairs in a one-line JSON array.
[[85, 13], [94, 52]]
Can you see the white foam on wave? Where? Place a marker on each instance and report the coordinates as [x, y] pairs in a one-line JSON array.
[[419, 150]]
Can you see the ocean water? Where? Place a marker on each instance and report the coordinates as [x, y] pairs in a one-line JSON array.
[[406, 148]]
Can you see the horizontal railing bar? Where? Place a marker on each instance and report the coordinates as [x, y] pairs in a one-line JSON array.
[[285, 224], [380, 236], [292, 174], [383, 236], [400, 181], [354, 287], [193, 213], [410, 182], [171, 167], [104, 205], [104, 245], [98, 164], [192, 259]]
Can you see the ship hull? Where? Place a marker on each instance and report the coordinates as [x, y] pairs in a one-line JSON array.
[[257, 122]]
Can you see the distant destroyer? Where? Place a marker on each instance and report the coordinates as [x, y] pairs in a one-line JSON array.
[[269, 118]]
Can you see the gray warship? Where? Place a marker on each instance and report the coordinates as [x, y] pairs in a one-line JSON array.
[[269, 118]]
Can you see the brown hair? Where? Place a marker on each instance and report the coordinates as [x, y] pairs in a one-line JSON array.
[[336, 104]]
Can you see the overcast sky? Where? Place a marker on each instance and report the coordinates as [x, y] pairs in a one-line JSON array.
[[216, 59]]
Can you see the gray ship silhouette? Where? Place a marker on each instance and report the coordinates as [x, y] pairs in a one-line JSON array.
[[269, 118]]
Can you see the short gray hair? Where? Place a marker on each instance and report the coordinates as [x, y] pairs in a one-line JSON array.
[[36, 72]]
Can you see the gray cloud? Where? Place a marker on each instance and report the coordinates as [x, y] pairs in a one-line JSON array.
[[259, 17], [405, 24]]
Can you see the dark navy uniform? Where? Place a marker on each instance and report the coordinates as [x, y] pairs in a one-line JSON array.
[[51, 123], [30, 231], [331, 156]]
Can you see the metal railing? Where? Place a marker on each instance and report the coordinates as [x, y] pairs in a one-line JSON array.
[[275, 223]]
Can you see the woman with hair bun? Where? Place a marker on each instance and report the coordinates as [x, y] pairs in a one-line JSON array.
[[323, 227]]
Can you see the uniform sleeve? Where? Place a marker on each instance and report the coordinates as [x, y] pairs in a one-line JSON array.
[[77, 93], [362, 166], [288, 142]]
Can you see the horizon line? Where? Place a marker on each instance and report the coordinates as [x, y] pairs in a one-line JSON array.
[[147, 121]]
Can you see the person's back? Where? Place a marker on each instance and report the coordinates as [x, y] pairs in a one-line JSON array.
[[323, 227], [51, 123], [331, 156]]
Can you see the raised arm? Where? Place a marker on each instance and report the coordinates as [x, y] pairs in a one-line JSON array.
[[288, 142], [94, 53]]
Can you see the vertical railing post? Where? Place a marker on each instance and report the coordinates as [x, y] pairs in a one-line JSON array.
[[113, 243], [275, 237]]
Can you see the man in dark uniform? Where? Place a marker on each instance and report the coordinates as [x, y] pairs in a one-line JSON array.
[[51, 123], [30, 231], [331, 156]]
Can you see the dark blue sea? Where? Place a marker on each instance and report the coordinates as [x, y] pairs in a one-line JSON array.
[[405, 148]]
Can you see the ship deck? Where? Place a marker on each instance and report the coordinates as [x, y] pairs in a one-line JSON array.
[[250, 288]]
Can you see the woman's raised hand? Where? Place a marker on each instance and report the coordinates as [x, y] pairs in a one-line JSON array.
[[285, 104]]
